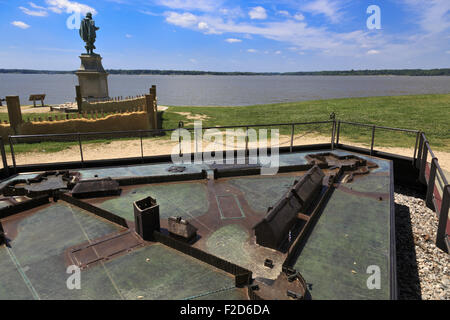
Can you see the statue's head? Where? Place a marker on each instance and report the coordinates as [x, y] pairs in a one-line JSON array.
[[89, 15]]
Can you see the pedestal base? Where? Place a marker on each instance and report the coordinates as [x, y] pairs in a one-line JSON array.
[[92, 78]]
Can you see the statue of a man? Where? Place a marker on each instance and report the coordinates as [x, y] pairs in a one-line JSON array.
[[88, 33]]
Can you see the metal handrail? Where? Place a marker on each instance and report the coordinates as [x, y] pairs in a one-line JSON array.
[[137, 132], [379, 127], [421, 150]]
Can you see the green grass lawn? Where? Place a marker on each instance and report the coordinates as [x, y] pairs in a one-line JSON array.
[[429, 113]]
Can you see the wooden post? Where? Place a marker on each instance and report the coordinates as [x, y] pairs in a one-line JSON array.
[[14, 113], [149, 106], [153, 90], [155, 113]]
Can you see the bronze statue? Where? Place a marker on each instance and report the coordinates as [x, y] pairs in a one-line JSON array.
[[88, 33]]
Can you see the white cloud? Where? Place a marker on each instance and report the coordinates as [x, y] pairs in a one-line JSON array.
[[434, 15], [128, 36], [372, 52], [149, 13], [283, 13], [299, 17], [252, 50], [202, 25], [329, 8], [200, 5], [56, 10], [232, 12], [59, 6], [181, 19], [35, 6], [278, 52], [258, 13], [20, 24], [321, 40], [233, 40], [35, 13]]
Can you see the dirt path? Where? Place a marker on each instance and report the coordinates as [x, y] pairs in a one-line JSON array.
[[132, 148]]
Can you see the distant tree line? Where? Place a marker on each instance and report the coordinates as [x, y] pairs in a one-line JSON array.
[[396, 72]]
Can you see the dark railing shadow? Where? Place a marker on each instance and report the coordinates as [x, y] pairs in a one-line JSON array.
[[408, 282]]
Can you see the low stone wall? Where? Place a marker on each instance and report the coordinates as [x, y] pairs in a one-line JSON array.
[[115, 122], [114, 105]]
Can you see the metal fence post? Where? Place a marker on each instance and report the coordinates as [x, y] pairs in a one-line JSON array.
[[333, 132], [373, 139], [81, 149], [419, 152], [415, 149], [292, 137], [4, 159], [180, 125], [423, 163], [443, 219], [142, 147], [338, 132], [431, 183], [13, 156], [246, 141], [196, 139]]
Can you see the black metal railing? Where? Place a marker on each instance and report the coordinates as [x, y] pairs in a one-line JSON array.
[[430, 173]]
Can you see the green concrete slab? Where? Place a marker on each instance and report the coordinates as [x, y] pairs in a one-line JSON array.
[[228, 243], [174, 199], [12, 285], [352, 234], [37, 253], [370, 183], [159, 272], [53, 229]]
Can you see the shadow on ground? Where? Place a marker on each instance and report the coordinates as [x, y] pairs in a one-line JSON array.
[[407, 271]]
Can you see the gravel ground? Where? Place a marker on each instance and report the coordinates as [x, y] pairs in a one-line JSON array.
[[423, 270]]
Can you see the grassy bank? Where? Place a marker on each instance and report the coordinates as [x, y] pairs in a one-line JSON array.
[[429, 113]]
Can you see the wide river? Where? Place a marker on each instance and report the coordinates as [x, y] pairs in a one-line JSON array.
[[226, 90]]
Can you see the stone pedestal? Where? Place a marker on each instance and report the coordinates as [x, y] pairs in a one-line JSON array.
[[92, 78]]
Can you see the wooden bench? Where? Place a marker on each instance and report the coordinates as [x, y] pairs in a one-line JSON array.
[[37, 97]]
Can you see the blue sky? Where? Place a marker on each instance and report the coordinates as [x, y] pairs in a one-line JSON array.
[[221, 35]]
